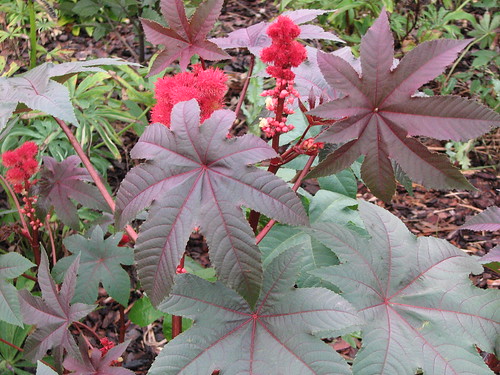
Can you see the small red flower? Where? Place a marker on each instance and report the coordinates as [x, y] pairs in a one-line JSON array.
[[22, 165], [309, 147], [107, 344], [124, 240], [208, 87]]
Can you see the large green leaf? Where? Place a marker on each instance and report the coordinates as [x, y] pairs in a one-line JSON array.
[[325, 206], [100, 262], [278, 336], [11, 266], [420, 308]]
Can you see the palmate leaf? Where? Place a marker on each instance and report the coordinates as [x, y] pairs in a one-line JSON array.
[[100, 261], [12, 265], [61, 182], [52, 313], [381, 113], [325, 206], [488, 220], [43, 369], [255, 39], [97, 364], [420, 308], [38, 91], [184, 38], [279, 336], [198, 177]]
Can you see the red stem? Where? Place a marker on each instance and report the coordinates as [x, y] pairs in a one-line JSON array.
[[121, 336], [84, 337], [203, 64], [52, 242], [93, 173], [245, 86], [295, 187], [176, 326], [88, 329], [253, 218], [32, 278], [22, 350], [18, 207], [177, 320]]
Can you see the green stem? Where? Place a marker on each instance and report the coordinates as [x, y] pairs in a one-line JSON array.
[[22, 350], [461, 57], [462, 5], [32, 14]]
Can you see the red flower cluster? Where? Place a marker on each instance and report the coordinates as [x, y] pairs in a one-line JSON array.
[[22, 165], [208, 87], [309, 147], [285, 52], [107, 344]]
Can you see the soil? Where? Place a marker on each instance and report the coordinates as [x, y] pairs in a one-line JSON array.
[[426, 212]]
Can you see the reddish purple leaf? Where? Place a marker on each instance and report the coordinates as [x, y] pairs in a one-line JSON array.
[[381, 113], [255, 39], [198, 177], [492, 256], [61, 182], [310, 81], [420, 307], [52, 313], [488, 220], [281, 335], [184, 38], [97, 364]]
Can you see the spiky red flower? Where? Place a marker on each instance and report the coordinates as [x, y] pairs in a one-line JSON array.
[[207, 86], [22, 165], [285, 52]]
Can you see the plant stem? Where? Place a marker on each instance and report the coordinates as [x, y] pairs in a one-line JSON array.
[[245, 86], [18, 207], [32, 14], [52, 242], [177, 320], [80, 324], [452, 69], [89, 345], [22, 350], [121, 336], [295, 187], [32, 278], [93, 173], [203, 64], [253, 218]]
